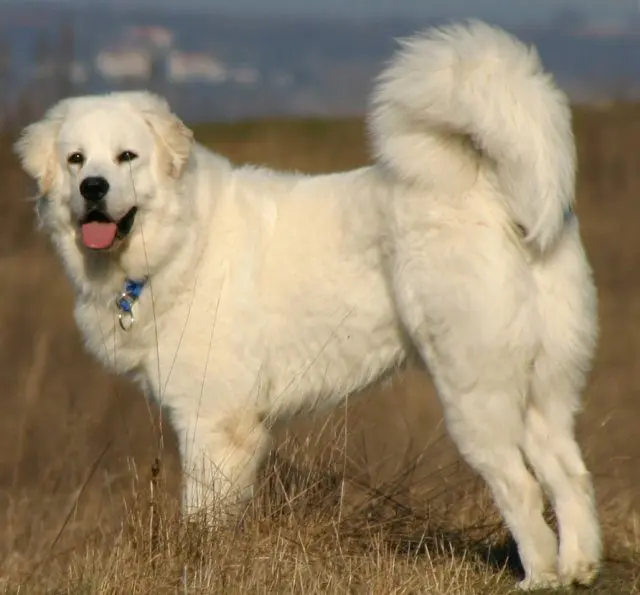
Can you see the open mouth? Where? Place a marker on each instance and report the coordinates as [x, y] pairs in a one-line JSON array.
[[101, 232]]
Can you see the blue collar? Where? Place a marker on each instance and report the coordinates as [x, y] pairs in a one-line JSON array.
[[127, 299]]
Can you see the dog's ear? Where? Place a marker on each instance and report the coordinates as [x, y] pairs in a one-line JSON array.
[[174, 137], [36, 148]]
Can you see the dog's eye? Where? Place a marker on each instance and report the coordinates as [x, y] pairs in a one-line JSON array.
[[127, 156], [76, 158]]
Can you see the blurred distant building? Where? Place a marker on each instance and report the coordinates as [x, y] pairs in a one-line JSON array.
[[149, 52], [185, 67], [124, 63]]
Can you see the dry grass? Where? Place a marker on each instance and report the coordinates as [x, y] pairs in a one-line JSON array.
[[371, 498]]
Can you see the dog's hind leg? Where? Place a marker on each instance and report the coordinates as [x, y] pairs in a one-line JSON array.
[[552, 451], [470, 315], [567, 305], [485, 418], [487, 425]]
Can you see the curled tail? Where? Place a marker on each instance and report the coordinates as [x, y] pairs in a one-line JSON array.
[[478, 88]]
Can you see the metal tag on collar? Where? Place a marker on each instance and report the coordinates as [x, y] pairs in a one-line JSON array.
[[125, 311], [126, 301]]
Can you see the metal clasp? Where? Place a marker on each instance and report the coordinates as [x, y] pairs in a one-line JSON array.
[[126, 320], [124, 303]]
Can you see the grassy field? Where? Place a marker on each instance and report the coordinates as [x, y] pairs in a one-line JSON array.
[[371, 498]]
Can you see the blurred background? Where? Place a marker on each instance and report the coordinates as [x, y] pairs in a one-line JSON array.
[[285, 83], [223, 59]]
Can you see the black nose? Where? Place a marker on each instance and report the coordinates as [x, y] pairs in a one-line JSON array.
[[94, 188]]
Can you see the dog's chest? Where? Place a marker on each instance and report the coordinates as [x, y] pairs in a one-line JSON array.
[[117, 349]]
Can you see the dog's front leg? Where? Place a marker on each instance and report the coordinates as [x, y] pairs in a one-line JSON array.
[[214, 384], [221, 455]]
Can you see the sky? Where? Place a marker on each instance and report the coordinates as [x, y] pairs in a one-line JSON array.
[[507, 10]]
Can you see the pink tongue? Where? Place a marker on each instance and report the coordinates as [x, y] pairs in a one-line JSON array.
[[98, 235]]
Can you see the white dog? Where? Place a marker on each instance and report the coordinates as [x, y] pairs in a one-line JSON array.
[[238, 297]]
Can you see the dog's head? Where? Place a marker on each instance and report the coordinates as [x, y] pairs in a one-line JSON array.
[[100, 162]]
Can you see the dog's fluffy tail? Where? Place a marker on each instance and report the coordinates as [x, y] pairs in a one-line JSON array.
[[471, 94]]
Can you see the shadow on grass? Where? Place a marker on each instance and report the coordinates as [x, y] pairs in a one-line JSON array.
[[373, 515]]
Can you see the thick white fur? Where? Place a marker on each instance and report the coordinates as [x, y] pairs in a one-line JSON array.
[[271, 293]]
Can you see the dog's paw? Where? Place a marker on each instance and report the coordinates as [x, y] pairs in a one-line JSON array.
[[545, 580], [583, 574]]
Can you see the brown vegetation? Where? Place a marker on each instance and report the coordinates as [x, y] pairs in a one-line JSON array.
[[371, 498]]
